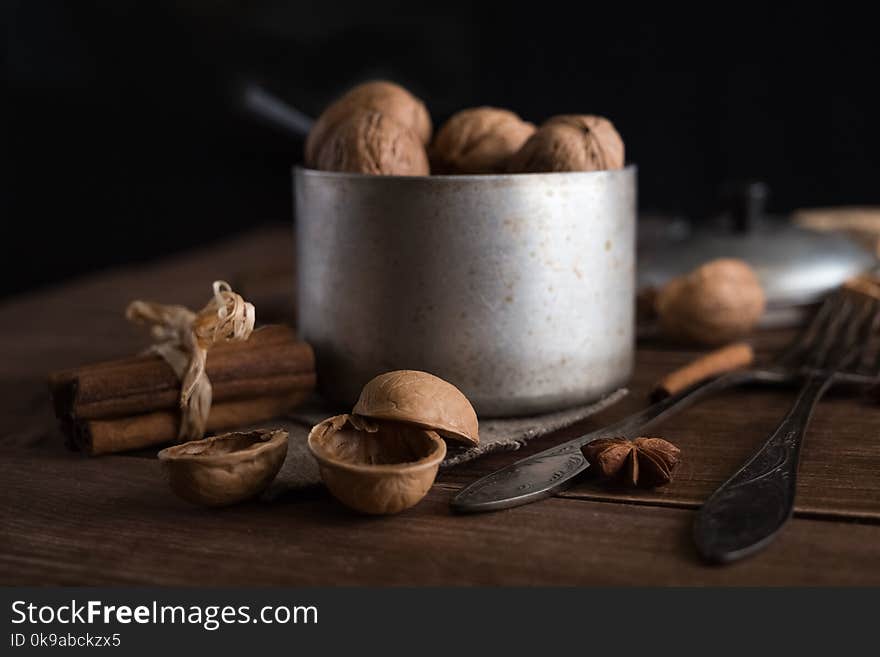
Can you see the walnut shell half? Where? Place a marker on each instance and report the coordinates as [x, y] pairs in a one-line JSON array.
[[420, 399], [376, 467], [225, 469], [571, 142], [382, 96], [716, 303], [370, 142], [478, 140]]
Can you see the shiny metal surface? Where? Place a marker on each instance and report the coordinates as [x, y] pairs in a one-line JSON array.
[[797, 267], [516, 288]]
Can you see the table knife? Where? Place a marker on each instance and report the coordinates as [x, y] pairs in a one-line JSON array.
[[545, 473]]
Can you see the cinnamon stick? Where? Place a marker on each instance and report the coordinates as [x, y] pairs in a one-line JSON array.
[[97, 437], [720, 361], [134, 402], [865, 284], [271, 363], [272, 334]]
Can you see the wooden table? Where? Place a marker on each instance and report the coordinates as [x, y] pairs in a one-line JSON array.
[[68, 519]]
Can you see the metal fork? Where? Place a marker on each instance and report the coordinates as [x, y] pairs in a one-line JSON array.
[[750, 508], [545, 473]]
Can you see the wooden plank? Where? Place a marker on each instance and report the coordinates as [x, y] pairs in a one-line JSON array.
[[66, 519], [114, 521], [839, 474]]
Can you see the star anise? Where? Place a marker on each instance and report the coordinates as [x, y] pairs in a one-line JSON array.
[[643, 462]]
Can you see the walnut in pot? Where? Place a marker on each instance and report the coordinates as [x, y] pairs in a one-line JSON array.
[[570, 142], [370, 142], [390, 99], [718, 302], [478, 140]]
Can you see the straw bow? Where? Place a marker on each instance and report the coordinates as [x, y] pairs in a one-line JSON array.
[[183, 339]]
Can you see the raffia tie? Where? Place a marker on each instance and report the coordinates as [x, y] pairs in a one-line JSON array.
[[183, 339]]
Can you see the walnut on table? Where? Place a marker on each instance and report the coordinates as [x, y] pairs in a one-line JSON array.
[[720, 301]]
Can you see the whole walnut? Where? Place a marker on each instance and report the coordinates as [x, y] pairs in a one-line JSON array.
[[390, 99], [478, 140], [370, 142], [570, 142], [719, 301]]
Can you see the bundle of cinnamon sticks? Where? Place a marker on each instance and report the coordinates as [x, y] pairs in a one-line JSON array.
[[133, 403]]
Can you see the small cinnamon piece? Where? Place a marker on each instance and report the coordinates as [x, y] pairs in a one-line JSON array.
[[732, 357], [98, 437], [865, 284]]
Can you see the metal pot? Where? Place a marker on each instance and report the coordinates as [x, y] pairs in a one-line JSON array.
[[518, 289]]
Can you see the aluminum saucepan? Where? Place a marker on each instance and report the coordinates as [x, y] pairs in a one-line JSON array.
[[519, 289]]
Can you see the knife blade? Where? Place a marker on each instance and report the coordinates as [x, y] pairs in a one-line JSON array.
[[541, 475], [545, 473]]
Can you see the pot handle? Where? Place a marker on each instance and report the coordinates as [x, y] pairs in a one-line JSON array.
[[271, 109]]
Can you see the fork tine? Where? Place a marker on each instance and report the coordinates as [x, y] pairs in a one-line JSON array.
[[800, 346], [866, 287], [866, 342], [858, 342], [838, 336], [828, 342], [875, 370], [848, 344], [828, 334], [871, 344]]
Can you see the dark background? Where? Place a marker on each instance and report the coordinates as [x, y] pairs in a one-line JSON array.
[[125, 138]]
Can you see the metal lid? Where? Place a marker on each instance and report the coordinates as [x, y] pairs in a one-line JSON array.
[[796, 266]]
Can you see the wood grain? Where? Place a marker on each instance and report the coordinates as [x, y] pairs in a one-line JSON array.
[[114, 521], [66, 519], [839, 474]]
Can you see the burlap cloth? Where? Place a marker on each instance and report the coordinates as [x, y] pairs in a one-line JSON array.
[[300, 470]]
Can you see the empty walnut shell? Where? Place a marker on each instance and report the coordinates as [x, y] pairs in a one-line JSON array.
[[420, 399], [478, 140], [376, 467], [225, 469], [370, 142], [716, 303], [381, 96], [570, 142]]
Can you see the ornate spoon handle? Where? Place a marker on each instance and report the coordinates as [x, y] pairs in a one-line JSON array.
[[747, 511]]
